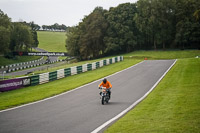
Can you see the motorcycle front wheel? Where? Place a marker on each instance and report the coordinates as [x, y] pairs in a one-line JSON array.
[[107, 99], [102, 100]]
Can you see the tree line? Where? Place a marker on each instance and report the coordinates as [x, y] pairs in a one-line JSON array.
[[54, 27], [21, 36], [16, 36], [145, 25]]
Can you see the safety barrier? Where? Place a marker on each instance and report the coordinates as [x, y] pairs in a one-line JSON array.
[[61, 73], [35, 80], [20, 66], [25, 65], [67, 72]]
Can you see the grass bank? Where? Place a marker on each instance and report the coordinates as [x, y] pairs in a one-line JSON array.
[[52, 41], [4, 61], [173, 106], [172, 54]]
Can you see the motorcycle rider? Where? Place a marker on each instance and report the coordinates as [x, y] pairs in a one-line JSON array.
[[107, 84]]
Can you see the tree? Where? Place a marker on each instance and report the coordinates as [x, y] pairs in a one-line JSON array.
[[72, 42], [35, 38], [187, 28], [154, 22], [34, 26], [165, 23], [122, 32], [87, 39], [93, 29], [197, 15], [21, 37], [147, 24], [142, 23], [5, 24], [55, 27]]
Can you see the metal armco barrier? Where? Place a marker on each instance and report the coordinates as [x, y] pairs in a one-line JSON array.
[[7, 85]]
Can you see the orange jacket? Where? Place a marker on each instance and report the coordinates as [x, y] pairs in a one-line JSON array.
[[107, 85]]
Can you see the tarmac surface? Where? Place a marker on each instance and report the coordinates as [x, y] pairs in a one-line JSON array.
[[80, 110]]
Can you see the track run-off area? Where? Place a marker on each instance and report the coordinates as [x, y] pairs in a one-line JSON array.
[[80, 110]]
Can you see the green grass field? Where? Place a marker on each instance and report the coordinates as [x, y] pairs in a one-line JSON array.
[[174, 105], [172, 54], [52, 41]]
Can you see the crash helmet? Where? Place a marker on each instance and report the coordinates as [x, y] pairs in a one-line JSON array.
[[104, 80]]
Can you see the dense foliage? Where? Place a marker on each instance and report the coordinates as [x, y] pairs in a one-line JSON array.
[[16, 36], [5, 26], [147, 24]]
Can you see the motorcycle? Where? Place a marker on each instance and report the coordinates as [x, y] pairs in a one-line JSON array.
[[104, 95]]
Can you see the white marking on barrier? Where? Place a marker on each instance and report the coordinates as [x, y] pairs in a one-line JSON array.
[[101, 63], [44, 78], [93, 65], [73, 70], [84, 66], [107, 61], [60, 74], [113, 60]]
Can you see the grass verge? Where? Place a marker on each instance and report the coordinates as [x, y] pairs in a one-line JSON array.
[[18, 59], [52, 41], [173, 106], [173, 54], [35, 93]]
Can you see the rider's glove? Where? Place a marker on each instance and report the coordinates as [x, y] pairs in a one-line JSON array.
[[99, 87]]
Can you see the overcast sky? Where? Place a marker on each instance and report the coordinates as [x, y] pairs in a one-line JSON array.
[[48, 12]]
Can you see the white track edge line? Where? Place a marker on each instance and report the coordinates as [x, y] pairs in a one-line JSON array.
[[66, 91], [133, 105]]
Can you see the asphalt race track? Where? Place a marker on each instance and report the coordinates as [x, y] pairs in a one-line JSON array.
[[80, 111], [43, 67]]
